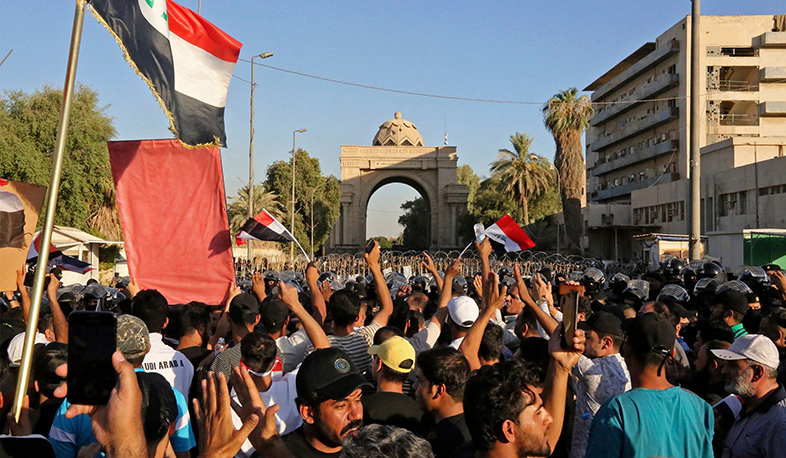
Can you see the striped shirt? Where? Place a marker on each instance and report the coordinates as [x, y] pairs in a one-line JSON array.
[[738, 331], [356, 345]]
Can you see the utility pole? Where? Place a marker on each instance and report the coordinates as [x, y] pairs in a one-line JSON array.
[[292, 208], [695, 130], [250, 252]]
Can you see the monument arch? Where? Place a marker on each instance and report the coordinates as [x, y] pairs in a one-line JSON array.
[[397, 155]]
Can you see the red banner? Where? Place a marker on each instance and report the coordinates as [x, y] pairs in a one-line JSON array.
[[173, 211]]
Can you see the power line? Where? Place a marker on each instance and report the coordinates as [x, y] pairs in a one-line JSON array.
[[437, 96]]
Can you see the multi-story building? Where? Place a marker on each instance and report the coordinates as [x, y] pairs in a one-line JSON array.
[[638, 141]]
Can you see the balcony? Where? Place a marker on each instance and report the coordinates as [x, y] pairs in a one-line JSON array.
[[650, 122], [649, 61], [772, 74], [644, 154], [772, 109], [772, 40], [646, 92], [627, 188]]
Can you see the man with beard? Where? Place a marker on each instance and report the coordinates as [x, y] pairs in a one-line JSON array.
[[708, 381], [329, 391], [195, 325], [751, 371], [655, 418]]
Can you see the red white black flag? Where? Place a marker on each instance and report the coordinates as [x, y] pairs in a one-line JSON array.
[[507, 232], [12, 219], [265, 228], [186, 61]]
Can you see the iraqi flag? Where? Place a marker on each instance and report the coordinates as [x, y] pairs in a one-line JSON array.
[[509, 233], [186, 61], [12, 219], [265, 228], [35, 248]]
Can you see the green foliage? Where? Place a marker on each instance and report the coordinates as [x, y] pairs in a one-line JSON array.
[[466, 176], [308, 182], [237, 209], [28, 123], [415, 220], [384, 242]]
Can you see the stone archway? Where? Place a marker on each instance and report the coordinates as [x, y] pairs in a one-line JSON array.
[[398, 155]]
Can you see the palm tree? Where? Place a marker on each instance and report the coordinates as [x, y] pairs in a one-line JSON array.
[[522, 175], [567, 115], [237, 210]]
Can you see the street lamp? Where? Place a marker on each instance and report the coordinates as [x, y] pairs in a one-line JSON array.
[[292, 211], [556, 173], [250, 252], [312, 216]]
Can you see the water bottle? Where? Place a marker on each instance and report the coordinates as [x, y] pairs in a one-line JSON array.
[[221, 345]]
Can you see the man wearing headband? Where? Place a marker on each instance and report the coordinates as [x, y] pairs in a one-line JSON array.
[[655, 418]]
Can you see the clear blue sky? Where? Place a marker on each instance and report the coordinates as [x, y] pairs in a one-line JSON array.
[[504, 50]]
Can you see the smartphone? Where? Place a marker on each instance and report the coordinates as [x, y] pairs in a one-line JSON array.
[[569, 302], [480, 232], [92, 338], [369, 245]]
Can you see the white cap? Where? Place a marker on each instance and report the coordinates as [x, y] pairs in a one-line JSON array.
[[754, 347], [463, 311], [17, 344]]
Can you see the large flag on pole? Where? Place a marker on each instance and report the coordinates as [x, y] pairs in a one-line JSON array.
[[510, 234], [264, 227], [173, 211], [186, 61]]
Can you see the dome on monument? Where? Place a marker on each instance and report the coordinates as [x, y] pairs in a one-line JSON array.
[[398, 132]]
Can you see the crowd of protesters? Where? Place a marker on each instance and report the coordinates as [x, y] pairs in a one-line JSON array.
[[682, 362]]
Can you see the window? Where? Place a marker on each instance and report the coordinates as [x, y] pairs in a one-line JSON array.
[[672, 103], [739, 52], [742, 203], [672, 70]]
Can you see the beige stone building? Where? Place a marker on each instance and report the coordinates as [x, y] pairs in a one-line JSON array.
[[638, 140]]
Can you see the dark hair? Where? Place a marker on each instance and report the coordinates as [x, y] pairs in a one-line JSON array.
[[392, 375], [445, 366], [159, 406], [418, 300], [585, 305], [495, 394], [715, 330], [400, 314], [258, 351], [174, 328], [529, 317], [491, 343], [385, 333], [616, 340], [416, 320], [344, 307], [384, 441], [151, 307], [536, 351], [45, 322], [662, 309], [45, 360], [194, 315], [777, 316]]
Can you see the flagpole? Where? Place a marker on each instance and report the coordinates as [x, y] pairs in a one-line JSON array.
[[51, 209], [465, 249]]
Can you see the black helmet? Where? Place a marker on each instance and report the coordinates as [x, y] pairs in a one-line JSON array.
[[329, 276], [673, 293], [705, 285], [672, 267], [593, 275], [734, 285], [618, 282], [710, 270], [271, 275], [755, 277]]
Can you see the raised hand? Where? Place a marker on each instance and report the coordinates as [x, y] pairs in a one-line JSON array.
[[428, 263], [217, 435], [258, 284]]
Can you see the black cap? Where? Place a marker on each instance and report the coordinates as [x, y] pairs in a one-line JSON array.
[[771, 267], [273, 312], [245, 302], [547, 273], [651, 333], [655, 275], [328, 373], [733, 300], [681, 311], [604, 322]]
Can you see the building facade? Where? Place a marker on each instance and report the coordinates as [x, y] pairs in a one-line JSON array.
[[638, 141]]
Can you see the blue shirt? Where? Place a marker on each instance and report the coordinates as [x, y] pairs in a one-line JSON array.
[[645, 423], [67, 436]]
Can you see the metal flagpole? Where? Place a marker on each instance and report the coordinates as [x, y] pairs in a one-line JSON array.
[[51, 208], [694, 204]]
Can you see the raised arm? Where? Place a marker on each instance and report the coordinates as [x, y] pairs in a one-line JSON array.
[[223, 323], [484, 248], [546, 321], [383, 293], [313, 329], [58, 317], [555, 386], [493, 300], [20, 285], [447, 292], [319, 309], [428, 264]]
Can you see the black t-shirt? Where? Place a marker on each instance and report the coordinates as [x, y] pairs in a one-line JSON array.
[[47, 411], [195, 354], [300, 447], [394, 409], [448, 435]]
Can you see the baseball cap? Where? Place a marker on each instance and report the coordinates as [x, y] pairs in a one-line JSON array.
[[396, 353], [604, 322], [771, 267], [242, 304], [328, 373], [754, 347], [733, 300], [651, 333], [17, 345], [273, 312], [133, 338], [463, 310]]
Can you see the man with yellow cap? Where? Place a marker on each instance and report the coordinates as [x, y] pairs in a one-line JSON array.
[[392, 362]]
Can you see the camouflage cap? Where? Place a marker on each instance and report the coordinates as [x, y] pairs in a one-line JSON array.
[[133, 338]]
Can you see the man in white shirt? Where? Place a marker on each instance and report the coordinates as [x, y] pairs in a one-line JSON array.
[[151, 307]]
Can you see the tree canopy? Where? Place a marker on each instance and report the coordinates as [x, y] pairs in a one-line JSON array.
[[29, 126]]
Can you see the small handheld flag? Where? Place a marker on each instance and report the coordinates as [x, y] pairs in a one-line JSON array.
[[264, 227], [507, 232]]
